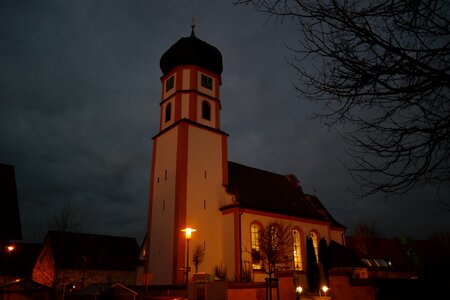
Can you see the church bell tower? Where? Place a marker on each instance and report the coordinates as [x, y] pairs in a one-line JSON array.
[[189, 161]]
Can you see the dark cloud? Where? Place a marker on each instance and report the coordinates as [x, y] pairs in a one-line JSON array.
[[79, 103]]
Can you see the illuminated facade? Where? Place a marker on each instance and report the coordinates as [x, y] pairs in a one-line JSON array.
[[194, 185]]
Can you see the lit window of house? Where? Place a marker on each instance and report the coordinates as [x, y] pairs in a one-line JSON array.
[[315, 241], [297, 250], [256, 256]]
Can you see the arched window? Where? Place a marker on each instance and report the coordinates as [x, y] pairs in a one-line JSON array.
[[315, 240], [296, 240], [255, 230], [206, 110], [168, 112]]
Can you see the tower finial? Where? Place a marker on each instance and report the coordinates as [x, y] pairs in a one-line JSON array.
[[193, 26]]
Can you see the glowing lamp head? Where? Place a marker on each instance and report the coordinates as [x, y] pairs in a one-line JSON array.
[[325, 289], [298, 289], [10, 248], [188, 231]]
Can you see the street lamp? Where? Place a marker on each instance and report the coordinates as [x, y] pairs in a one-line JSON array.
[[325, 289], [188, 232], [298, 291]]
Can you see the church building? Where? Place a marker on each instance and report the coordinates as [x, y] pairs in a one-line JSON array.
[[194, 186]]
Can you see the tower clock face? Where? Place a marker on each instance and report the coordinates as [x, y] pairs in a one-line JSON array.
[[206, 82], [169, 83]]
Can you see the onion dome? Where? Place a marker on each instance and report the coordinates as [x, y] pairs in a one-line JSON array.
[[192, 51]]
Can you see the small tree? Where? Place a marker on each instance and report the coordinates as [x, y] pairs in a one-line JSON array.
[[198, 255], [312, 271], [324, 257], [370, 237], [274, 241], [220, 272], [65, 218]]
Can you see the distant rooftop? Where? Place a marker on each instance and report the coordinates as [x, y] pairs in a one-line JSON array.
[[92, 251]]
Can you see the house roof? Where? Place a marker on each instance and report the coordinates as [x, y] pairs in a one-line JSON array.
[[341, 256], [20, 261], [92, 251], [270, 192], [401, 253], [10, 228]]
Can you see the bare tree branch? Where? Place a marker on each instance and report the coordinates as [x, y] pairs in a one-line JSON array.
[[381, 72]]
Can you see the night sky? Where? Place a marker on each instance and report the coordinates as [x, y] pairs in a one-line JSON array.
[[79, 103]]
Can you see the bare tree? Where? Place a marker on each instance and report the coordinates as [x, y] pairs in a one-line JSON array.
[[381, 72], [312, 271], [198, 255], [63, 219], [370, 237], [66, 218], [275, 240]]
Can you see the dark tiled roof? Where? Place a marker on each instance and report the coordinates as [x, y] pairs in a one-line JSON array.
[[10, 228], [92, 251], [270, 192], [20, 261]]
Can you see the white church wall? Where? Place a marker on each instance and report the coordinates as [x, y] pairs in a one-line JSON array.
[[204, 192], [228, 238], [163, 208]]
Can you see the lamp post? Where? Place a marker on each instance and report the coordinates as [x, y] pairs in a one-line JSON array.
[[188, 232]]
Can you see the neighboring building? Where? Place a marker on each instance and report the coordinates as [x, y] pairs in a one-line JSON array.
[[74, 260], [10, 228], [401, 258], [25, 289], [193, 185], [17, 262]]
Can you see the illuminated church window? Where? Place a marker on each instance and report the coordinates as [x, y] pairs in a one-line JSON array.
[[206, 110], [256, 255], [297, 250], [315, 241]]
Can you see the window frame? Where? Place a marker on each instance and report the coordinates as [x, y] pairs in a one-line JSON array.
[[170, 83], [206, 110], [206, 81], [255, 244], [168, 112]]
